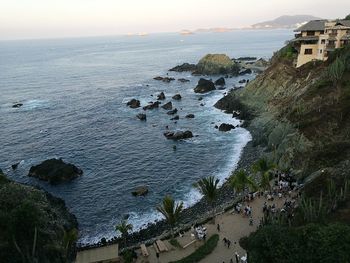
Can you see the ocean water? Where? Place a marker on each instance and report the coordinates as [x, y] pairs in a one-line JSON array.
[[74, 93]]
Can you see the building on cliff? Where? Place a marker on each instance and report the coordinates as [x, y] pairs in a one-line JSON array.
[[317, 38]]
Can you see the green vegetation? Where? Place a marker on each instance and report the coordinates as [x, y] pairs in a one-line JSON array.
[[123, 227], [34, 226], [240, 181], [347, 17], [175, 243], [209, 188], [202, 251], [310, 243], [171, 211], [336, 70], [213, 64], [288, 52]]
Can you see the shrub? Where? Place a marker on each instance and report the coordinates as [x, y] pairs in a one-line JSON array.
[[175, 243], [202, 251]]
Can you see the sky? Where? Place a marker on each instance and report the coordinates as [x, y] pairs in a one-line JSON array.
[[21, 19]]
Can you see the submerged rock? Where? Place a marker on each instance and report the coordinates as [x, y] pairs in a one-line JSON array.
[[183, 80], [161, 96], [134, 103], [172, 112], [204, 86], [55, 171], [177, 97], [184, 67], [167, 106], [179, 135], [140, 191], [190, 116], [177, 117], [141, 116]]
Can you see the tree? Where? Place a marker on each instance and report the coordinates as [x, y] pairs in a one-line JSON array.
[[240, 181], [209, 188], [263, 167], [123, 227], [171, 211], [347, 17]]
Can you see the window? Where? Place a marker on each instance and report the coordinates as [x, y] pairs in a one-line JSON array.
[[323, 41], [308, 51], [321, 51], [310, 33]]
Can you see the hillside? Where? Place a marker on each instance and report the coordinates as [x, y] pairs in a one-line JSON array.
[[301, 117], [285, 22]]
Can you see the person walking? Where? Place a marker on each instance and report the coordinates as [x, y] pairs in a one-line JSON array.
[[218, 227]]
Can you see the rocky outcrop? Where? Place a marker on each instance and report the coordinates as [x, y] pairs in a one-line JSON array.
[[140, 191], [190, 116], [161, 96], [24, 209], [172, 112], [179, 135], [167, 106], [224, 127], [55, 171], [177, 97], [134, 103], [152, 105], [204, 86], [141, 116], [184, 67], [215, 64], [220, 82]]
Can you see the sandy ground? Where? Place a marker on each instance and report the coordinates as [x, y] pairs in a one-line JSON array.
[[232, 226]]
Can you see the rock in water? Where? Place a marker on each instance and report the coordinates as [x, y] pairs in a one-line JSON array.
[[220, 82], [179, 135], [161, 96], [167, 106], [141, 116], [134, 103], [14, 166], [184, 67], [190, 116], [245, 71], [183, 80], [204, 86], [177, 97], [177, 117], [224, 127], [17, 105], [215, 64], [140, 191], [152, 105], [55, 171], [172, 112]]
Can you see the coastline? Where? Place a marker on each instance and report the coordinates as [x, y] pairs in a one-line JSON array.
[[196, 213]]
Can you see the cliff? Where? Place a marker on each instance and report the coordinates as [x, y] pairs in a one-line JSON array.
[[34, 225]]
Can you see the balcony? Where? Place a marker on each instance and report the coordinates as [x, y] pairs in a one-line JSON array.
[[297, 35]]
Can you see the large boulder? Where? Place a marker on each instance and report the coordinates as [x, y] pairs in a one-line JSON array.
[[204, 86], [167, 106], [216, 64], [179, 135], [152, 105], [134, 103], [55, 171], [140, 191], [177, 97], [184, 67], [224, 127], [220, 82]]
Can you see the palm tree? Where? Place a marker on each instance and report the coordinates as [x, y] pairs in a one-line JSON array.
[[69, 238], [264, 183], [171, 211], [262, 166], [123, 227], [209, 188], [240, 181]]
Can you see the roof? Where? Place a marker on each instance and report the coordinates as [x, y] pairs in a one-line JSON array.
[[343, 23], [314, 25], [307, 38]]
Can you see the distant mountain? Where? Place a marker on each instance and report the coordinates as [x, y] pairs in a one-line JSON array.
[[285, 22]]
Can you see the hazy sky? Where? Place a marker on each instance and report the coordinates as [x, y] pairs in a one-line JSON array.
[[61, 18]]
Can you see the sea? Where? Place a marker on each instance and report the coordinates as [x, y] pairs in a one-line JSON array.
[[74, 93]]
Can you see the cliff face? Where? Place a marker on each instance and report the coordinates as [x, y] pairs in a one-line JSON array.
[[34, 225], [301, 115]]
